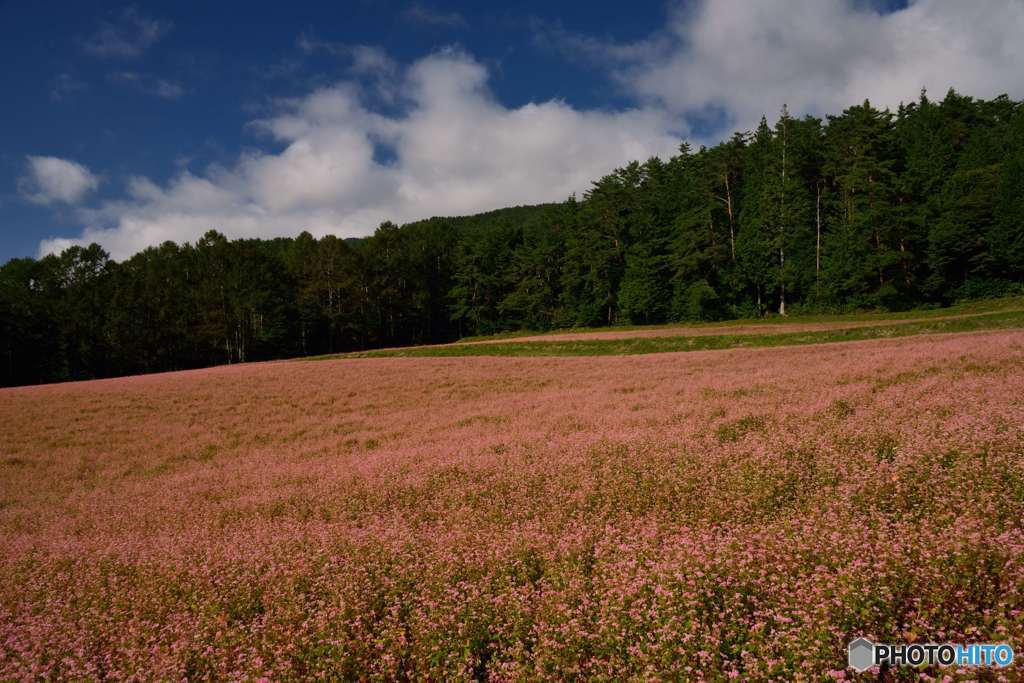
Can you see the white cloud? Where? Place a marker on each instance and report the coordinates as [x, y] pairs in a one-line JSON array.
[[168, 90], [365, 60], [748, 57], [128, 37], [444, 145], [372, 65], [66, 86], [420, 13], [50, 179], [454, 149]]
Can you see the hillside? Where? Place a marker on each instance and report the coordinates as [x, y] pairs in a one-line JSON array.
[[737, 513], [867, 209]]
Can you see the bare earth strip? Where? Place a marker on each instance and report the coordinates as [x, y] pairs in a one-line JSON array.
[[739, 513]]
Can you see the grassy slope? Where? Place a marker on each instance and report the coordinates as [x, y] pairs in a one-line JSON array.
[[937, 322], [969, 307]]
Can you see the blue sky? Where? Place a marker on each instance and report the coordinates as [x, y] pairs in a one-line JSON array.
[[229, 59], [129, 124]]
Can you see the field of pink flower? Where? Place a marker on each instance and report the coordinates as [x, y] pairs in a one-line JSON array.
[[705, 515]]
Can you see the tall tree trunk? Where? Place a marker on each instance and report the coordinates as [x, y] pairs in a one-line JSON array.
[[782, 223], [903, 254], [817, 246], [904, 264], [782, 283], [878, 258], [728, 209], [878, 241]]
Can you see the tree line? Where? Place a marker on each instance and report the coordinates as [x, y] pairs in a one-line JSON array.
[[868, 208]]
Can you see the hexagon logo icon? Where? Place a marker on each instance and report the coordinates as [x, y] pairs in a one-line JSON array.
[[861, 654]]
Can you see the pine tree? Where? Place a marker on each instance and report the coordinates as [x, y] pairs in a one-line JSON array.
[[756, 240], [860, 161]]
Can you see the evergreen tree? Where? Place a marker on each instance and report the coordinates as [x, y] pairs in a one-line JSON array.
[[756, 243], [867, 209], [860, 160]]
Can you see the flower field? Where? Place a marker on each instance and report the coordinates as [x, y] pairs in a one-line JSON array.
[[737, 514]]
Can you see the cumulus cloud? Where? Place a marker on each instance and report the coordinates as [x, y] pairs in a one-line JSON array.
[[365, 60], [51, 179], [127, 37], [342, 168], [342, 162], [746, 58]]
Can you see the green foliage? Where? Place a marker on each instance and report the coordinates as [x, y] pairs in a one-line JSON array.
[[1010, 319], [869, 209], [702, 302]]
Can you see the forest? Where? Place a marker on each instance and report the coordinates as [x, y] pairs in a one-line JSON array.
[[869, 208]]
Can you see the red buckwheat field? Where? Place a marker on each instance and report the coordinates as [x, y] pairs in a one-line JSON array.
[[724, 514]]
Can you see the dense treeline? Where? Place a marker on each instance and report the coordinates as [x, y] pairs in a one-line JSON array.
[[866, 209]]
